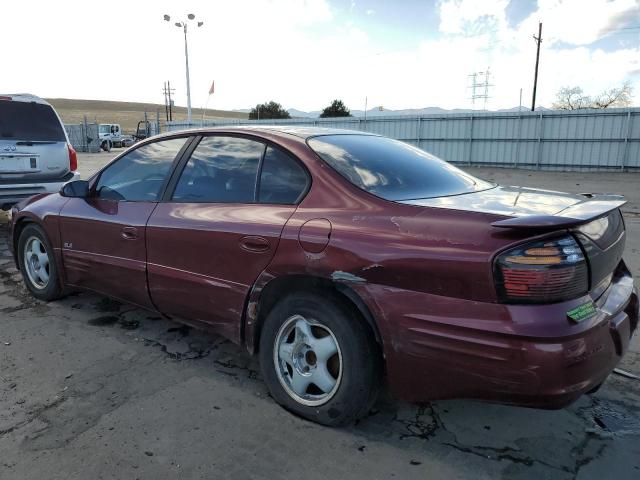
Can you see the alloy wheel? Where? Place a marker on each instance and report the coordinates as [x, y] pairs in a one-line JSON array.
[[36, 263], [308, 360]]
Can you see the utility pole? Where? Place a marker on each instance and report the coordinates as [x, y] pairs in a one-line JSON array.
[[365, 112], [538, 40], [166, 90], [520, 104], [166, 102], [170, 101]]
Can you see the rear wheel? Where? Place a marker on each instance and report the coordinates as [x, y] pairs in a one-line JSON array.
[[319, 359], [37, 264]]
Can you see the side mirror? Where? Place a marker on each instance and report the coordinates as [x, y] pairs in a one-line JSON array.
[[76, 189]]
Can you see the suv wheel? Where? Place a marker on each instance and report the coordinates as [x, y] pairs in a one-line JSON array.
[[319, 359], [37, 264]]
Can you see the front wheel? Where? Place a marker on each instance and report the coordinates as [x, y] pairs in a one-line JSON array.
[[319, 359], [37, 264]]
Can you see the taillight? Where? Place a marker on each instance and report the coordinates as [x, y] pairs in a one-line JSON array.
[[542, 272], [73, 158]]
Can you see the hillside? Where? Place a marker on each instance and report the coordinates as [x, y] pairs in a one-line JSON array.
[[127, 114]]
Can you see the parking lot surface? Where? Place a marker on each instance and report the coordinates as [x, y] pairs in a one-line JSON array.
[[91, 388]]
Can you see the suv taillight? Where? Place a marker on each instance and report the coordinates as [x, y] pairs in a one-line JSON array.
[[73, 158], [546, 271]]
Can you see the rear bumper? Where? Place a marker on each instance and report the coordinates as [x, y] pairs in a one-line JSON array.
[[439, 347], [10, 194]]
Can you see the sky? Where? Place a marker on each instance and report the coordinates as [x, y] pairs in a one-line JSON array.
[[304, 53]]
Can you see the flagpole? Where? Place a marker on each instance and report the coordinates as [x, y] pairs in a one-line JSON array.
[[206, 105]]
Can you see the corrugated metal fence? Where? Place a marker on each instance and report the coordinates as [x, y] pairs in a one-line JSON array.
[[551, 140]]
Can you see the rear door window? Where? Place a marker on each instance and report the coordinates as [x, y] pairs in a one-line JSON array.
[[29, 121], [282, 179], [221, 170]]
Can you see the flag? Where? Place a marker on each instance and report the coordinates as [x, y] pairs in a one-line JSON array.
[[211, 89]]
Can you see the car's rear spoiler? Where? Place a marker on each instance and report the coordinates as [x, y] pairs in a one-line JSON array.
[[594, 206]]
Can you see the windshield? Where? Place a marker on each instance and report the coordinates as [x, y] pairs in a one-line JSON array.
[[105, 128], [29, 121], [392, 169]]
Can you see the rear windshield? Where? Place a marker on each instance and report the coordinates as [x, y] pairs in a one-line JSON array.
[[392, 169], [29, 121]]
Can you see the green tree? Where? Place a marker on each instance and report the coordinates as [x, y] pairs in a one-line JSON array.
[[268, 110], [336, 109]]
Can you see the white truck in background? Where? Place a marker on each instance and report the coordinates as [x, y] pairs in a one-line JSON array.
[[110, 136]]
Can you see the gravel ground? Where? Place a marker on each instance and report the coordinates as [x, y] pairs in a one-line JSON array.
[[90, 388]]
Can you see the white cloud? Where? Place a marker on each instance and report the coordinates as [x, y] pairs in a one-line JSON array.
[[464, 16], [477, 36], [577, 22], [306, 53]]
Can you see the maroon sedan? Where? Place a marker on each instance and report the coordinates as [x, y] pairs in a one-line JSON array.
[[338, 257]]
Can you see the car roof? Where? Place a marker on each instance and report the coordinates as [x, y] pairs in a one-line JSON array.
[[291, 130], [24, 97], [305, 131]]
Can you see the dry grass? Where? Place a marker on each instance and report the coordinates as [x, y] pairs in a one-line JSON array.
[[127, 114]]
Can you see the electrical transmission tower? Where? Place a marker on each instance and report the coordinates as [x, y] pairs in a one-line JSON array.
[[480, 87]]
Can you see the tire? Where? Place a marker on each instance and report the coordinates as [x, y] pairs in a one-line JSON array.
[[307, 336], [595, 389], [106, 146], [36, 261]]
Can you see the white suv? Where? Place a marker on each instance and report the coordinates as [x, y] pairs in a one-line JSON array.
[[35, 153]]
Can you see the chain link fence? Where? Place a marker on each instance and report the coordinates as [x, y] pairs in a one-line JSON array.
[[84, 137]]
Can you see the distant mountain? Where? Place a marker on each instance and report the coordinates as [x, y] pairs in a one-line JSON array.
[[376, 112], [301, 114]]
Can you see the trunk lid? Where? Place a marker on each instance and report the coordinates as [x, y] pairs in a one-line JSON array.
[[594, 219], [603, 241], [520, 202]]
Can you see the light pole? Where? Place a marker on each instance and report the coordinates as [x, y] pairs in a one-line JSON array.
[[183, 25]]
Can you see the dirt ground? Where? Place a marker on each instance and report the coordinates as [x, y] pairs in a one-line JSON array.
[[93, 389]]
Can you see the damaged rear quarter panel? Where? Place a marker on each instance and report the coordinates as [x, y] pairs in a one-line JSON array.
[[374, 242]]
